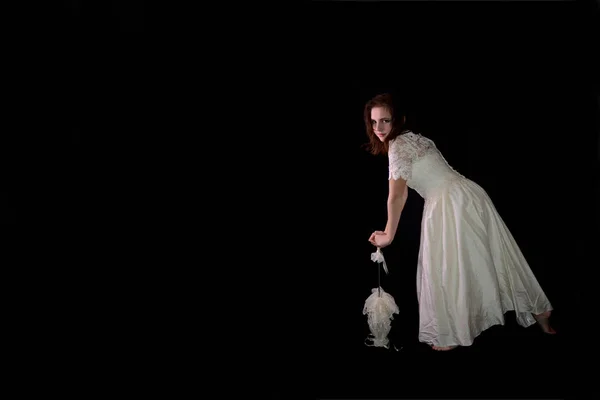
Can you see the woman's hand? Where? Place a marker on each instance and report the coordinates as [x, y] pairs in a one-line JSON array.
[[380, 239]]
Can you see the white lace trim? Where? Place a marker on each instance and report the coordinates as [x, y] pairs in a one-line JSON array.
[[404, 151]]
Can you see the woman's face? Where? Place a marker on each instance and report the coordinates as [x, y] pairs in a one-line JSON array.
[[381, 119]]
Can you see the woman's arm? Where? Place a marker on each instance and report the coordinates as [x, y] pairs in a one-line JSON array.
[[398, 193]]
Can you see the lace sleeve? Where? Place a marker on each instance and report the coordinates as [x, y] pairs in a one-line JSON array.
[[403, 152]]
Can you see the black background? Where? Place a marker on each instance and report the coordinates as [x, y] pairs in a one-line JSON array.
[[235, 149], [506, 92]]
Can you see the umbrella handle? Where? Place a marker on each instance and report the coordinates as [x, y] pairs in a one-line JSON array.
[[378, 279], [380, 257]]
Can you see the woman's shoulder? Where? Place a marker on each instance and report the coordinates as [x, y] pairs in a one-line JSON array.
[[411, 139], [405, 135], [413, 135]]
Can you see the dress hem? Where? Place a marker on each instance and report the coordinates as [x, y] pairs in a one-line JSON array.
[[486, 327]]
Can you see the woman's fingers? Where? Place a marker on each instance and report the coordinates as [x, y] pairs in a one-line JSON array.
[[373, 235]]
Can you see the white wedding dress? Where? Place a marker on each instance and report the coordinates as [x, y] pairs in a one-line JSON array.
[[470, 269]]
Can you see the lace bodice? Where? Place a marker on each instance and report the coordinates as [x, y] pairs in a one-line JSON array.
[[417, 160]]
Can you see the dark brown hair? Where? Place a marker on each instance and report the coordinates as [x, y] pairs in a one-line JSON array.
[[398, 111]]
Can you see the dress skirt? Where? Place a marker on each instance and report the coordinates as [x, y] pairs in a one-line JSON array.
[[470, 270]]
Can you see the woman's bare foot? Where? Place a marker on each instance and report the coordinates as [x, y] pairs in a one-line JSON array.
[[440, 348], [544, 320]]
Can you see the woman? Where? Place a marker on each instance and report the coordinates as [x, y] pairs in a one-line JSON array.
[[470, 270]]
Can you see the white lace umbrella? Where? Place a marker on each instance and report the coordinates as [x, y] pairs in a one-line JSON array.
[[380, 308]]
